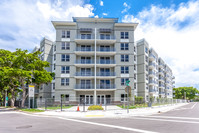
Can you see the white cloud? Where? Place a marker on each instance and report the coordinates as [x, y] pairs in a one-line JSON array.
[[173, 33], [126, 7], [27, 22], [101, 3], [105, 14], [96, 16]]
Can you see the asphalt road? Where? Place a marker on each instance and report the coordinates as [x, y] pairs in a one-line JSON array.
[[184, 119]]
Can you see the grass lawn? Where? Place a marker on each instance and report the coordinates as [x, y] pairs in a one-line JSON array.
[[133, 107], [58, 107], [32, 110]]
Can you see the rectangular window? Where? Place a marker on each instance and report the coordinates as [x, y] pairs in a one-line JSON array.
[[65, 46], [65, 69], [42, 49], [123, 97], [54, 56], [124, 58], [65, 57], [135, 86], [124, 35], [54, 66], [53, 86], [146, 50], [134, 58], [123, 81], [42, 57], [135, 67], [135, 77], [105, 36], [124, 46], [65, 34], [65, 97], [85, 36], [65, 81], [125, 69], [55, 48], [134, 49]]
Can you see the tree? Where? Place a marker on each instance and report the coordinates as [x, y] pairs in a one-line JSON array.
[[180, 93], [20, 67]]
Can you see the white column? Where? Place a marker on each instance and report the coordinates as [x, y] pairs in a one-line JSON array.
[[95, 93]]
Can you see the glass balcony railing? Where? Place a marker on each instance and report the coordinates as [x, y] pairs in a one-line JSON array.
[[151, 73], [105, 61], [84, 49], [98, 86], [152, 82], [105, 86], [84, 86], [151, 90], [84, 62], [106, 74], [152, 64], [84, 74], [104, 49], [99, 49], [161, 85]]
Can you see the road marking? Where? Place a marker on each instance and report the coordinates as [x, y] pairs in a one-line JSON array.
[[186, 108], [190, 122], [189, 118], [193, 106], [92, 123], [107, 125]]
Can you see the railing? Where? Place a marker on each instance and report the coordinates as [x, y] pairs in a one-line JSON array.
[[104, 49], [151, 73], [161, 93], [105, 61], [98, 86], [160, 85], [152, 56], [99, 49], [105, 86], [160, 78], [84, 49], [152, 64], [106, 74], [92, 37], [151, 90], [84, 62], [84, 74], [152, 81]]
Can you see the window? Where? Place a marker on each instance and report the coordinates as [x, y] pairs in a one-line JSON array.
[[124, 46], [85, 36], [105, 36], [65, 46], [135, 67], [123, 80], [54, 56], [146, 50], [55, 48], [123, 97], [124, 35], [124, 69], [65, 69], [65, 81], [146, 58], [134, 85], [134, 58], [124, 58], [65, 57], [41, 87], [65, 97], [134, 49], [53, 86], [135, 77], [54, 66], [42, 57], [42, 49], [65, 34]]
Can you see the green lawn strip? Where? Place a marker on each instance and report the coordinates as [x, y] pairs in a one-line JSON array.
[[58, 107], [133, 107], [32, 110]]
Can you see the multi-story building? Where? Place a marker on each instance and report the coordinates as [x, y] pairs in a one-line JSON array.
[[91, 58], [154, 76]]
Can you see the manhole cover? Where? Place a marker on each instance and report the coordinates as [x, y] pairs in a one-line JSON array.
[[22, 127]]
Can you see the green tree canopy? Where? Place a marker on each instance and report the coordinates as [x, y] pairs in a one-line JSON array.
[[181, 92]]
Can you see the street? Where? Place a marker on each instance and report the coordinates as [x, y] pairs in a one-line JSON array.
[[184, 119]]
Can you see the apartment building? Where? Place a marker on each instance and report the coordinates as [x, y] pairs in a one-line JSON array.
[[92, 58], [155, 78]]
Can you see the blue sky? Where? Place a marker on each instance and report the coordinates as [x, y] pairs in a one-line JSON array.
[[171, 27]]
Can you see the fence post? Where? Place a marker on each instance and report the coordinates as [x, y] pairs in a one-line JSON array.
[[45, 104]]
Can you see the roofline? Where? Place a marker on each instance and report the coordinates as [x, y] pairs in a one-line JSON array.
[[64, 23], [127, 24], [89, 19]]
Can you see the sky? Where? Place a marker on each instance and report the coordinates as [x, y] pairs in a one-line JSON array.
[[171, 27]]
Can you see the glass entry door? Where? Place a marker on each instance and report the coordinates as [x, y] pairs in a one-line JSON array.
[[87, 99], [100, 99]]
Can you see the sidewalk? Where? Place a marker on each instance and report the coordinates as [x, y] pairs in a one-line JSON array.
[[111, 112], [3, 109]]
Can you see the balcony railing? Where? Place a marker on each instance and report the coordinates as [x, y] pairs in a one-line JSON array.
[[105, 61], [84, 74], [99, 49], [160, 85], [104, 49], [152, 64], [161, 78], [84, 62], [84, 49], [105, 86], [161, 93], [106, 74], [98, 86], [92, 37], [151, 90], [152, 73], [152, 82]]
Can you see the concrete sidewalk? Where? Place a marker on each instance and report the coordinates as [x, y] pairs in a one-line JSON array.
[[111, 112]]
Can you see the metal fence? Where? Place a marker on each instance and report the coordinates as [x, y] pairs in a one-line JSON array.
[[66, 104]]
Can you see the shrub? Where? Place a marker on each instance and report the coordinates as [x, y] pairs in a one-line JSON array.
[[95, 107]]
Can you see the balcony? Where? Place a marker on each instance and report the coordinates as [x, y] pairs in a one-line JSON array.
[[90, 39], [160, 72], [161, 86], [106, 75], [84, 51], [161, 93], [151, 57], [161, 79], [105, 51], [152, 82], [106, 63], [152, 74], [152, 65], [160, 65], [167, 82], [84, 75], [84, 87], [84, 63], [152, 90]]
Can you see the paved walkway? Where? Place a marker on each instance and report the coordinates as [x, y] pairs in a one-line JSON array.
[[111, 112]]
